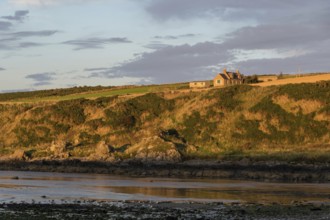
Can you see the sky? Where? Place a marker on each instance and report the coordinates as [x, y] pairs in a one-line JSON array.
[[48, 44]]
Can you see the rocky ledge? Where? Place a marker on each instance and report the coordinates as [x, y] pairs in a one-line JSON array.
[[261, 171]]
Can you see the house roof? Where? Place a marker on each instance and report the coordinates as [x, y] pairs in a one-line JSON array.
[[229, 75], [223, 76], [199, 81]]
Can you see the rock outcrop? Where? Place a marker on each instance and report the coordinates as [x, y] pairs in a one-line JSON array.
[[103, 151], [155, 149], [59, 149]]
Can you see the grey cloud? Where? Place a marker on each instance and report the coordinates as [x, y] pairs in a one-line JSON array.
[[24, 34], [95, 43], [14, 44], [183, 9], [18, 16], [4, 25], [41, 79], [316, 61], [173, 63], [5, 47], [95, 69], [101, 72], [29, 44], [175, 37], [156, 45], [2, 69], [11, 41], [277, 36]]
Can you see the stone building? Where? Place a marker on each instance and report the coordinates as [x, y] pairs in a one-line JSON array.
[[200, 84], [227, 78]]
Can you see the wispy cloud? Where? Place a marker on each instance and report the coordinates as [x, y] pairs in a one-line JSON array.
[[24, 34], [95, 43], [42, 79], [95, 69], [29, 44], [2, 69], [186, 9], [101, 72], [172, 63], [175, 37], [156, 45], [5, 25], [33, 2], [12, 41], [47, 2], [18, 16]]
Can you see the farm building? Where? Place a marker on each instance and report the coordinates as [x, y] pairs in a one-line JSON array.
[[200, 84], [228, 78], [267, 78]]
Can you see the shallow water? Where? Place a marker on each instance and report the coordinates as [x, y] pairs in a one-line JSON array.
[[68, 188]]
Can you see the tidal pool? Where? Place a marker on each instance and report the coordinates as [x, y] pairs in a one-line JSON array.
[[41, 187]]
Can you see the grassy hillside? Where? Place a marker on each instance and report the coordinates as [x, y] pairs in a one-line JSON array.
[[289, 122]]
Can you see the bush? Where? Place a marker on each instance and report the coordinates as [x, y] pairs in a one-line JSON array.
[[128, 114], [226, 96], [313, 91], [86, 138], [197, 129], [250, 79], [71, 111], [299, 127]]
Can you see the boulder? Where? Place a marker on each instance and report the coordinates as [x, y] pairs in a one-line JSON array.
[[155, 149], [103, 151], [19, 155], [59, 149]]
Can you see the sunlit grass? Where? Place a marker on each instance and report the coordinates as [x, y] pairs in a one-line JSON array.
[[106, 93]]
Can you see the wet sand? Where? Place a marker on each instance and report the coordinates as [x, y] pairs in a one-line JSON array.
[[56, 188]]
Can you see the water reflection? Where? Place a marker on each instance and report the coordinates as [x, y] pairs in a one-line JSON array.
[[45, 187]]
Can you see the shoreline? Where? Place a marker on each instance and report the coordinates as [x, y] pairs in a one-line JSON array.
[[164, 210], [258, 171]]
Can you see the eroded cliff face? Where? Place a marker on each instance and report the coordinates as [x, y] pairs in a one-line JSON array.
[[173, 126]]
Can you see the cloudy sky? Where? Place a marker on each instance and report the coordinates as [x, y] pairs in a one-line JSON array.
[[63, 43]]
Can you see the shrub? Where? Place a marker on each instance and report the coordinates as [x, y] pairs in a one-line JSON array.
[[250, 79], [313, 91], [71, 111], [128, 114], [226, 96]]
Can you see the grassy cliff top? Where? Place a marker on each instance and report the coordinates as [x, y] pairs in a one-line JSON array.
[[287, 122]]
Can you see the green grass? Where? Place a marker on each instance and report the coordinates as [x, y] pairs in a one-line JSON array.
[[101, 93]]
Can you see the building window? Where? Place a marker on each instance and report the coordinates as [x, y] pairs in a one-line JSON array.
[[218, 81]]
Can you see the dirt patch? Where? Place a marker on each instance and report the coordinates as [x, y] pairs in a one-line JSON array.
[[290, 105]]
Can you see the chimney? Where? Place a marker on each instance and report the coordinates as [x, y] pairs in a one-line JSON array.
[[225, 73], [238, 74]]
